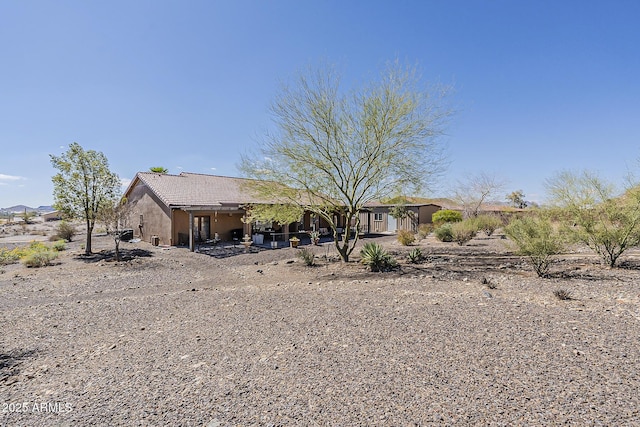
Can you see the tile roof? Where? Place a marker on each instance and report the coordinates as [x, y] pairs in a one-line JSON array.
[[192, 189]]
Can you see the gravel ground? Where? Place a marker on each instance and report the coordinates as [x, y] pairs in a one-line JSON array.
[[185, 339]]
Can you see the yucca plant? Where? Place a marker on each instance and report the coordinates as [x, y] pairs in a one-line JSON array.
[[376, 257]]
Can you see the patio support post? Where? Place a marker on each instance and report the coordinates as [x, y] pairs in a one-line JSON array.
[[191, 243]]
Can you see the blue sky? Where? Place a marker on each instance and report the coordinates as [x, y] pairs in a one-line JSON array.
[[540, 86]]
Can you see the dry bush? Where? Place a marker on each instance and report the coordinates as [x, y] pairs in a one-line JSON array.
[[488, 223], [406, 237], [424, 230], [463, 232], [65, 231]]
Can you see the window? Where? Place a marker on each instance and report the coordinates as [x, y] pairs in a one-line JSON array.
[[377, 216]]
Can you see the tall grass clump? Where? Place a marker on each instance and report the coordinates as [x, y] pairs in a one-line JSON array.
[[377, 258]]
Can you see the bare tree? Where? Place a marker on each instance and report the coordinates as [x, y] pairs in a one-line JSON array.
[[331, 152], [115, 218], [472, 192]]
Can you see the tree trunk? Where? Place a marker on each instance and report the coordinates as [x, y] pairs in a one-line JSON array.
[[87, 247], [117, 248], [342, 250]]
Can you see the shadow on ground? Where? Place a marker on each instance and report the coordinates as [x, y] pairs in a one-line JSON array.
[[10, 363], [110, 255]]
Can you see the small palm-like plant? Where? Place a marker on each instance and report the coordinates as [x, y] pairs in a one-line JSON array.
[[376, 257]]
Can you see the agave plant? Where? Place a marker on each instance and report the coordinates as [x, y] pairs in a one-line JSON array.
[[415, 256], [376, 257]]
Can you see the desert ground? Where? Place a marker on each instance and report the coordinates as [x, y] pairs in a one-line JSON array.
[[471, 336]]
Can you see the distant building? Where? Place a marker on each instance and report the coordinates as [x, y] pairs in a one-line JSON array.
[[52, 216], [190, 207]]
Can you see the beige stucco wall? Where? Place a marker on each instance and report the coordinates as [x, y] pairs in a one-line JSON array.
[[156, 218]]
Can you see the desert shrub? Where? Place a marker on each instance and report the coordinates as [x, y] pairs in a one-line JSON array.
[[488, 223], [424, 230], [597, 213], [415, 256], [537, 239], [443, 233], [307, 256], [488, 283], [406, 237], [39, 258], [562, 294], [376, 257], [8, 257], [446, 215], [36, 246], [463, 232], [65, 231], [59, 245]]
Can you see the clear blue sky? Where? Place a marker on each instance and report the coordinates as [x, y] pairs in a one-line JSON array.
[[540, 86]]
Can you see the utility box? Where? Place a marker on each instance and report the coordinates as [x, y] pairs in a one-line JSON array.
[[155, 240], [126, 235]]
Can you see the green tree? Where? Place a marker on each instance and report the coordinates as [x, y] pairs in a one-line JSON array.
[[517, 199], [400, 211], [158, 169], [607, 221], [83, 185], [331, 152]]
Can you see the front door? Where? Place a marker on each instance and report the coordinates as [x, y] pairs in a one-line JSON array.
[[392, 223]]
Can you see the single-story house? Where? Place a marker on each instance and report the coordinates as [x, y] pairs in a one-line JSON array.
[[190, 207], [52, 216], [376, 218]]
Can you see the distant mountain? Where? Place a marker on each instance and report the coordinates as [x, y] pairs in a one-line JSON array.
[[19, 209]]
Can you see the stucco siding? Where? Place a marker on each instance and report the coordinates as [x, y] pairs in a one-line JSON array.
[[149, 217]]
